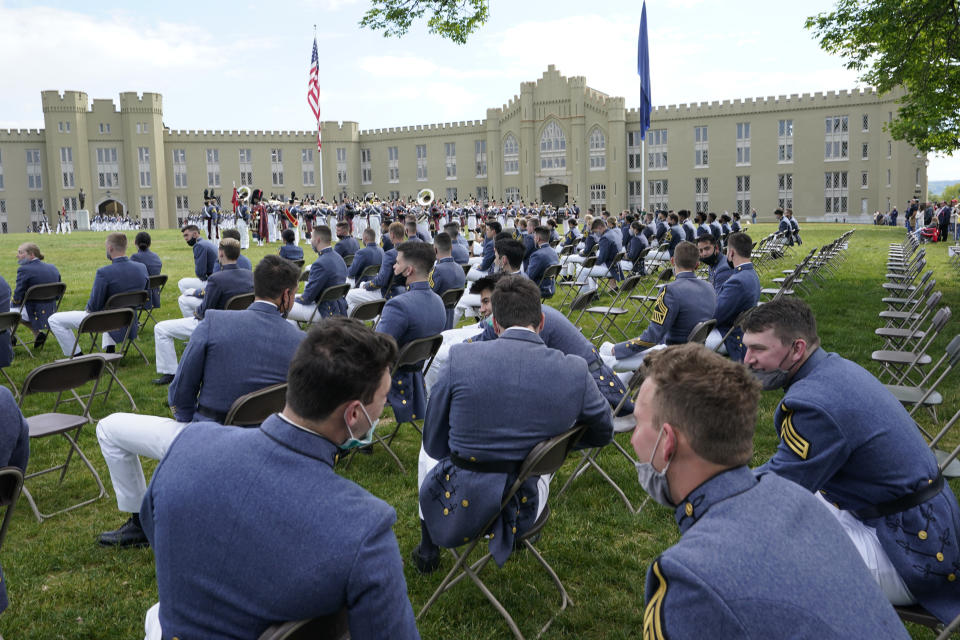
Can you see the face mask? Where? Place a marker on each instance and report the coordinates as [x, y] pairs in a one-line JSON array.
[[353, 442], [776, 378], [109, 259], [192, 241], [655, 482], [711, 261], [23, 261]]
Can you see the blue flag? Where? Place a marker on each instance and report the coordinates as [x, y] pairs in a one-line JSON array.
[[643, 70]]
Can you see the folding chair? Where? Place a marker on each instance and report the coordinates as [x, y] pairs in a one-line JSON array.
[[925, 394], [451, 297], [103, 322], [368, 311], [603, 282], [329, 294], [154, 283], [908, 312], [466, 268], [580, 303], [348, 260], [9, 321], [589, 457], [736, 323], [136, 300], [700, 331], [304, 275], [251, 409], [899, 302], [299, 263], [336, 626], [918, 615], [899, 365], [369, 271], [57, 377], [11, 482], [645, 300], [550, 273], [949, 466], [239, 302], [909, 329], [609, 314], [49, 292], [572, 286], [544, 459], [412, 355]]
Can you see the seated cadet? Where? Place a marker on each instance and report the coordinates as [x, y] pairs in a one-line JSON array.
[[636, 245], [33, 270], [369, 256], [529, 239], [482, 266], [231, 353], [610, 244], [554, 234], [689, 231], [715, 229], [680, 306], [120, 276], [794, 225], [717, 263], [475, 444], [573, 236], [573, 261], [151, 261], [413, 233], [338, 553], [386, 284], [783, 226], [735, 225], [416, 314], [459, 248], [328, 270], [204, 258], [346, 244], [758, 556], [508, 258], [14, 452], [385, 243], [675, 234], [289, 248], [446, 273], [243, 261], [846, 438], [538, 261], [221, 286], [740, 292]]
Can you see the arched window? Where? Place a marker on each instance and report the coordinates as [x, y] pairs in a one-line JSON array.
[[511, 155], [553, 148], [598, 150]]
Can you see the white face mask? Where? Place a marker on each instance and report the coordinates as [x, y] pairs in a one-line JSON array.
[[655, 482], [352, 442]]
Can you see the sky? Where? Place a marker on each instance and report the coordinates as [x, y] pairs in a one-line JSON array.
[[244, 65]]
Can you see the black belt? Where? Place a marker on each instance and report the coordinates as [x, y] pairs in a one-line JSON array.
[[596, 364], [493, 466], [211, 414], [903, 503]]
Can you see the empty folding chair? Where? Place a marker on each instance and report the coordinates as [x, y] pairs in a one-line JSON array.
[[239, 302], [949, 465], [897, 337], [155, 285], [253, 408], [899, 367], [136, 300], [450, 298], [59, 377], [607, 315], [908, 312], [925, 393], [895, 303], [544, 459]]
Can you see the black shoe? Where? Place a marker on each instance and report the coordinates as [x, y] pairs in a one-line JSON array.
[[110, 348], [164, 379], [425, 564], [39, 340], [130, 534]]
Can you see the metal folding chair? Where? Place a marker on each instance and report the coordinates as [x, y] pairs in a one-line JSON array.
[[370, 271], [329, 294], [580, 303], [58, 377], [154, 284], [925, 393], [544, 459], [572, 287], [700, 331], [895, 303], [646, 299], [949, 466], [368, 311], [100, 322], [48, 292], [348, 260], [899, 365], [9, 321], [550, 273], [136, 300], [336, 626], [607, 321], [239, 302], [909, 330], [251, 409]]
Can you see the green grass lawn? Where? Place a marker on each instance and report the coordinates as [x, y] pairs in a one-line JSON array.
[[62, 585]]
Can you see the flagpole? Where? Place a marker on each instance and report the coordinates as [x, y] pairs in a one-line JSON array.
[[643, 172]]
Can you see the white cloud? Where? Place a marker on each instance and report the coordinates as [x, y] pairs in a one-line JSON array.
[[397, 66]]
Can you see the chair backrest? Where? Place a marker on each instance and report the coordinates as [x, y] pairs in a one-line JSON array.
[[45, 292], [550, 273], [107, 320], [63, 375], [299, 262], [416, 351], [336, 626], [9, 321], [701, 330], [157, 282], [239, 302], [255, 407], [666, 275], [335, 292], [451, 297], [348, 260], [466, 268], [370, 271], [545, 458], [305, 275], [127, 299], [11, 481], [589, 262], [366, 311], [583, 300]]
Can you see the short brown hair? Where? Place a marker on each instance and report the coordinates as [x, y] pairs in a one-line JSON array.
[[32, 249], [396, 230], [720, 423], [118, 241], [516, 302], [790, 318], [686, 255], [741, 244], [230, 248], [190, 227]]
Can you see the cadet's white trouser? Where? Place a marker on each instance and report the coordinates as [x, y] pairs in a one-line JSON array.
[[164, 333], [360, 295], [64, 323]]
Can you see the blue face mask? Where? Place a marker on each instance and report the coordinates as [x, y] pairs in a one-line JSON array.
[[23, 261], [109, 259], [353, 442]]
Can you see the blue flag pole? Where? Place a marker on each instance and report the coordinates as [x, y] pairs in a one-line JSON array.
[[646, 104]]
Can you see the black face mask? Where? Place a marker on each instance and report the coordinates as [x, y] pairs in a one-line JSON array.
[[192, 241], [711, 261]]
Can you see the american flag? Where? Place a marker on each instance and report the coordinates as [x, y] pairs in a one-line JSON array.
[[313, 90]]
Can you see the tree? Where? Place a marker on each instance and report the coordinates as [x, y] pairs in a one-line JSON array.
[[949, 193], [453, 19], [908, 44]]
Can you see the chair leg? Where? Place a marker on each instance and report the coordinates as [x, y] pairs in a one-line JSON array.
[[13, 386], [114, 378], [101, 493]]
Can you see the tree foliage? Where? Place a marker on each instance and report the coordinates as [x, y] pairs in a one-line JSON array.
[[949, 193], [903, 45], [453, 19]]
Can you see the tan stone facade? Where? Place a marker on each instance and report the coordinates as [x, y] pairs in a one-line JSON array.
[[827, 155]]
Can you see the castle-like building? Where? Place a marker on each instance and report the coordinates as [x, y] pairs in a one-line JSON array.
[[827, 156]]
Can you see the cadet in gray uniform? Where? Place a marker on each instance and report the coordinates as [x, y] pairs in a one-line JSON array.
[[846, 438], [758, 556]]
